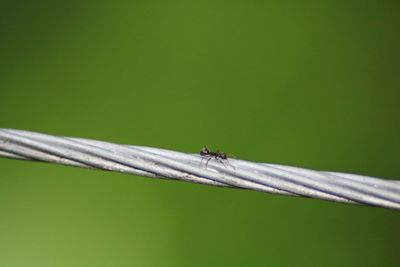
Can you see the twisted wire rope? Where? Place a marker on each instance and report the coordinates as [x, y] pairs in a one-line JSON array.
[[161, 163]]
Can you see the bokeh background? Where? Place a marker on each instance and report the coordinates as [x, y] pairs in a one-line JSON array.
[[306, 83]]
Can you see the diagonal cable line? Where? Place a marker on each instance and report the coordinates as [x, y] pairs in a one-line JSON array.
[[161, 163]]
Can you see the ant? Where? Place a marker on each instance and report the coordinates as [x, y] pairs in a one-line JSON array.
[[217, 155]]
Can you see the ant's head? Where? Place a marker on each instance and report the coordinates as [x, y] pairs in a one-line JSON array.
[[204, 151], [222, 155]]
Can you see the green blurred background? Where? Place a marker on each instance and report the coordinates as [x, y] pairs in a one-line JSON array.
[[305, 83]]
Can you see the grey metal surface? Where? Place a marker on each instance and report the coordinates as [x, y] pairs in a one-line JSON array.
[[161, 163]]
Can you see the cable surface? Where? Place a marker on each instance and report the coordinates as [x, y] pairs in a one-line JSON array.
[[161, 163]]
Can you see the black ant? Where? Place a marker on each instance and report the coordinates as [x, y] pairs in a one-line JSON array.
[[217, 155]]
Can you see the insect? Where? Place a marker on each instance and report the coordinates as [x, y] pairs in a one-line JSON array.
[[217, 155]]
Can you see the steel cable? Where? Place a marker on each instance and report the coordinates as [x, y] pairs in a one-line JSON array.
[[161, 163]]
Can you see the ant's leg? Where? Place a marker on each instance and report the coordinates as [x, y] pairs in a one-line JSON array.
[[227, 161], [220, 160], [230, 164], [208, 161], [205, 157]]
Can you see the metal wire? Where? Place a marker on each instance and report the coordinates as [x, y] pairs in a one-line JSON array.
[[161, 163]]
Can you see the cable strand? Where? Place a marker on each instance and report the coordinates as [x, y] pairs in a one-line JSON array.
[[167, 164]]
